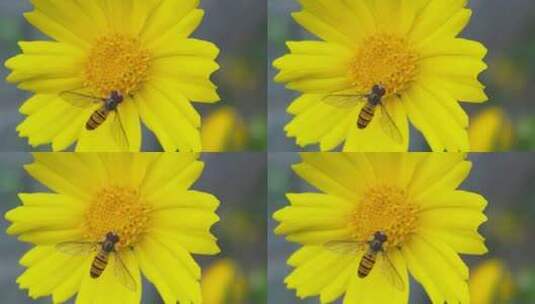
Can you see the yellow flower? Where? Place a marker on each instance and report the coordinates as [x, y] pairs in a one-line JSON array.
[[143, 198], [224, 130], [223, 283], [411, 198], [140, 49], [491, 130], [407, 47], [491, 282]]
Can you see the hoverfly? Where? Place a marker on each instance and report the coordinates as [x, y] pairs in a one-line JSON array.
[[109, 105], [375, 254], [104, 250], [373, 100]]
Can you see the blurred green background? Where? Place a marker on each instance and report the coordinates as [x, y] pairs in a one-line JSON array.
[[237, 27], [506, 180], [506, 28], [240, 268]]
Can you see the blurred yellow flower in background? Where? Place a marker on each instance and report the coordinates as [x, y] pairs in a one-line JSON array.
[[411, 197], [224, 130], [491, 283], [223, 283], [140, 49], [143, 198], [410, 48], [491, 130]]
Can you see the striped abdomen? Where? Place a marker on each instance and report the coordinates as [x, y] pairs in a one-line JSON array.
[[99, 264], [366, 115], [366, 263], [97, 119]]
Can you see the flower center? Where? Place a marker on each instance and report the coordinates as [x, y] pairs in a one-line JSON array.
[[387, 209], [119, 210], [386, 60], [116, 63]]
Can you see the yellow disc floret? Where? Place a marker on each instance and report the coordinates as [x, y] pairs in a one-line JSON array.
[[385, 60], [116, 63], [384, 208], [119, 210]]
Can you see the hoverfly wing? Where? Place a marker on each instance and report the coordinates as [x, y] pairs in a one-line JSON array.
[[389, 271], [343, 100], [122, 273], [79, 100], [119, 132], [77, 248], [389, 126], [343, 247]]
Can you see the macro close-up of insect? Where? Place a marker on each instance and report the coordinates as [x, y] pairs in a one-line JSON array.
[[108, 105], [374, 256], [371, 101], [102, 250]]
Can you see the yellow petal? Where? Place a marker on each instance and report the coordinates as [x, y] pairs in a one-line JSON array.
[[319, 122], [187, 219], [174, 198], [172, 170], [131, 125], [51, 85], [167, 14], [449, 181], [197, 242], [200, 89], [376, 288], [335, 21], [452, 67], [187, 48], [301, 219], [125, 169], [54, 59], [167, 273], [65, 138], [453, 199], [457, 219], [50, 118], [37, 278], [433, 270], [429, 117], [184, 67], [330, 174], [109, 288], [434, 15], [454, 47], [69, 174], [173, 130], [57, 31], [433, 167], [41, 218], [336, 271], [449, 29], [299, 66], [462, 241], [174, 94]]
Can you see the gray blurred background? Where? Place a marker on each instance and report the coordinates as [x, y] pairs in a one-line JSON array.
[[237, 27], [241, 232], [506, 28], [506, 180]]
